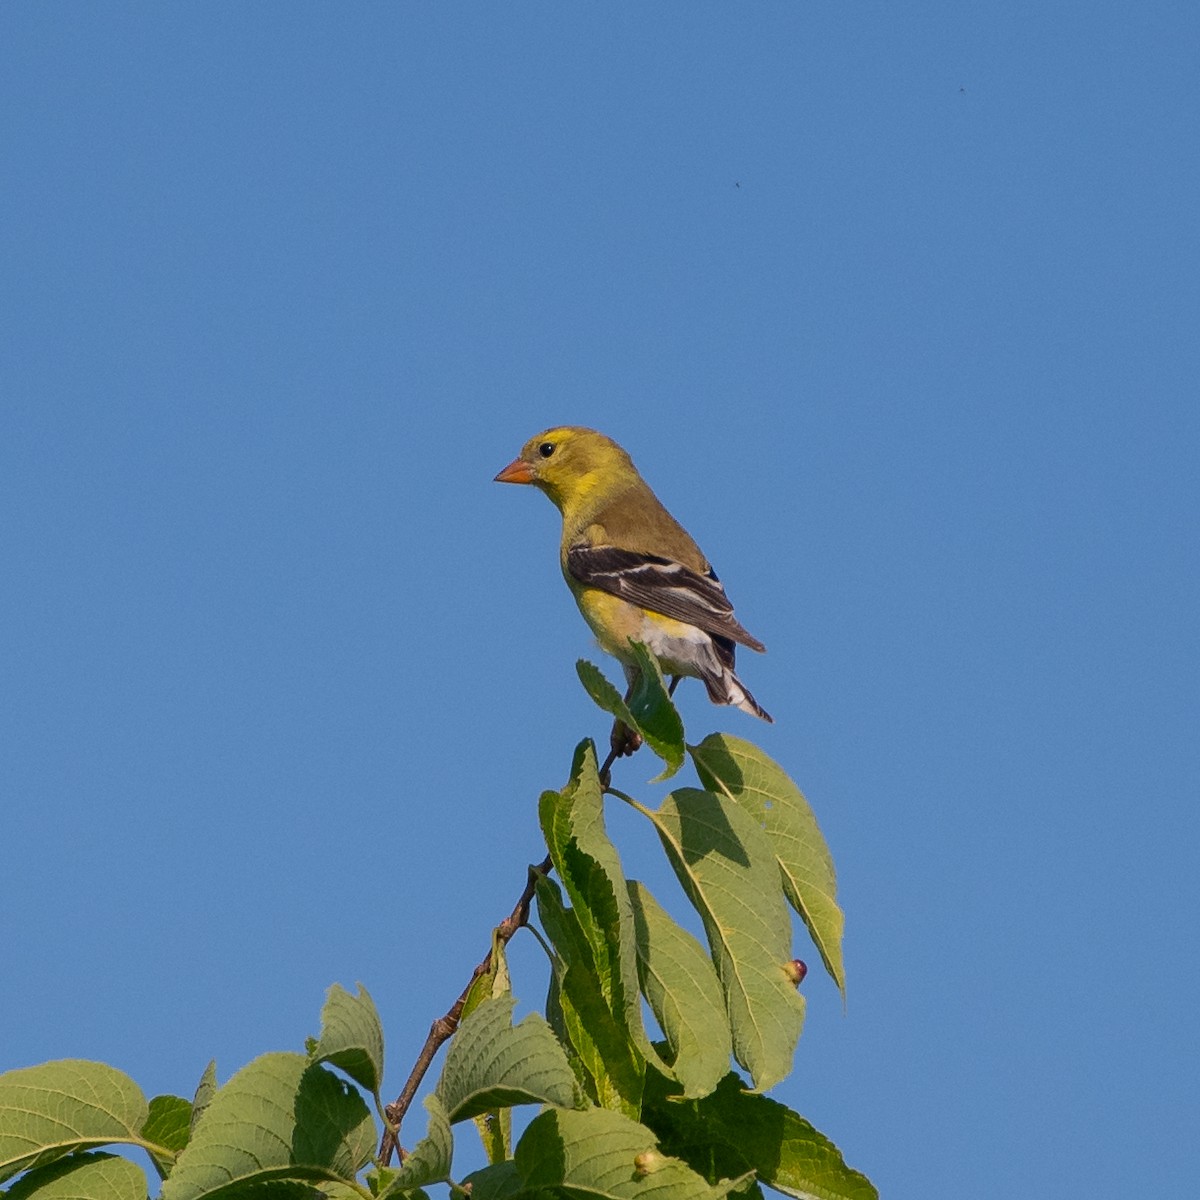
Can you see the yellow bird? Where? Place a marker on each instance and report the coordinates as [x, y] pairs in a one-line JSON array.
[[633, 569]]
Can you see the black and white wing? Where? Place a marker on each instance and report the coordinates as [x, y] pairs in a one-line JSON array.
[[660, 585]]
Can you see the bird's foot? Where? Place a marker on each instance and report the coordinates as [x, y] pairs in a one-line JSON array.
[[624, 740]]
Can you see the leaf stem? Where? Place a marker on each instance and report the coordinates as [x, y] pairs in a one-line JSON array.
[[620, 795]]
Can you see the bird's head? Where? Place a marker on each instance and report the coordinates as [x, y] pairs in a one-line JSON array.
[[568, 464]]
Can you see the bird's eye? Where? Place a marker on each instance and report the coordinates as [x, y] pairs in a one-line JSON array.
[[546, 449]]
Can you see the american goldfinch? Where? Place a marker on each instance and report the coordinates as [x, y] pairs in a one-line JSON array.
[[633, 569]]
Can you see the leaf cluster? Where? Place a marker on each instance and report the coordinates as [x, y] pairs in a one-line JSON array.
[[622, 1115]]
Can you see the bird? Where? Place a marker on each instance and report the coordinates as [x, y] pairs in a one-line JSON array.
[[634, 571]]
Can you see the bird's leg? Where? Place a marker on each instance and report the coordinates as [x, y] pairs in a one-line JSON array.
[[623, 741], [673, 684]]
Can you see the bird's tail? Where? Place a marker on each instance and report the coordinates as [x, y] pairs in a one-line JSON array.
[[727, 688]]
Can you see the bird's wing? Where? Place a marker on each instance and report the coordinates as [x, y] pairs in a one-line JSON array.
[[660, 585]]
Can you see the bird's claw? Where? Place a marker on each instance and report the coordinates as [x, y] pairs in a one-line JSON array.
[[624, 740]]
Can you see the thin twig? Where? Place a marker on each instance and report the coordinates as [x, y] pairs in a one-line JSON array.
[[443, 1028], [605, 771]]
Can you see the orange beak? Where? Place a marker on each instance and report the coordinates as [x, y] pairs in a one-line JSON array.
[[517, 471]]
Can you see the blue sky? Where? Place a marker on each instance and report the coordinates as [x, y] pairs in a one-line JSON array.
[[898, 308]]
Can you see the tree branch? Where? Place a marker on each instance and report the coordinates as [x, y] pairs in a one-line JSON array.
[[443, 1028]]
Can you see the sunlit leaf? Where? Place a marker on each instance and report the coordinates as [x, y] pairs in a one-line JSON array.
[[728, 869], [352, 1036], [741, 771], [684, 993], [606, 1156], [280, 1117], [493, 1063], [62, 1107]]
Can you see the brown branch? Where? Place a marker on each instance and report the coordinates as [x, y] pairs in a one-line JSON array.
[[606, 770], [443, 1028]]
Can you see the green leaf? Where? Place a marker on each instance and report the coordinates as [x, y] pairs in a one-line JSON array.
[[281, 1189], [352, 1036], [206, 1089], [169, 1122], [280, 1117], [727, 868], [495, 1132], [82, 1177], [649, 711], [580, 1013], [606, 696], [500, 1181], [494, 1125], [61, 1107], [428, 1162], [654, 711], [684, 994], [493, 982], [740, 770], [492, 1063], [733, 1131], [167, 1129], [590, 868], [341, 1191], [602, 1154]]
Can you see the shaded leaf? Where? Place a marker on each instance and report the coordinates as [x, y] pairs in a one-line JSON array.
[[603, 692], [493, 1063], [343, 1191], [684, 994], [352, 1036], [280, 1117], [501, 1181], [655, 713], [282, 1189], [61, 1107], [206, 1089], [82, 1177], [167, 1129], [599, 1153], [741, 771], [590, 868], [169, 1122], [580, 1013], [733, 1131], [728, 869], [428, 1162], [650, 710]]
